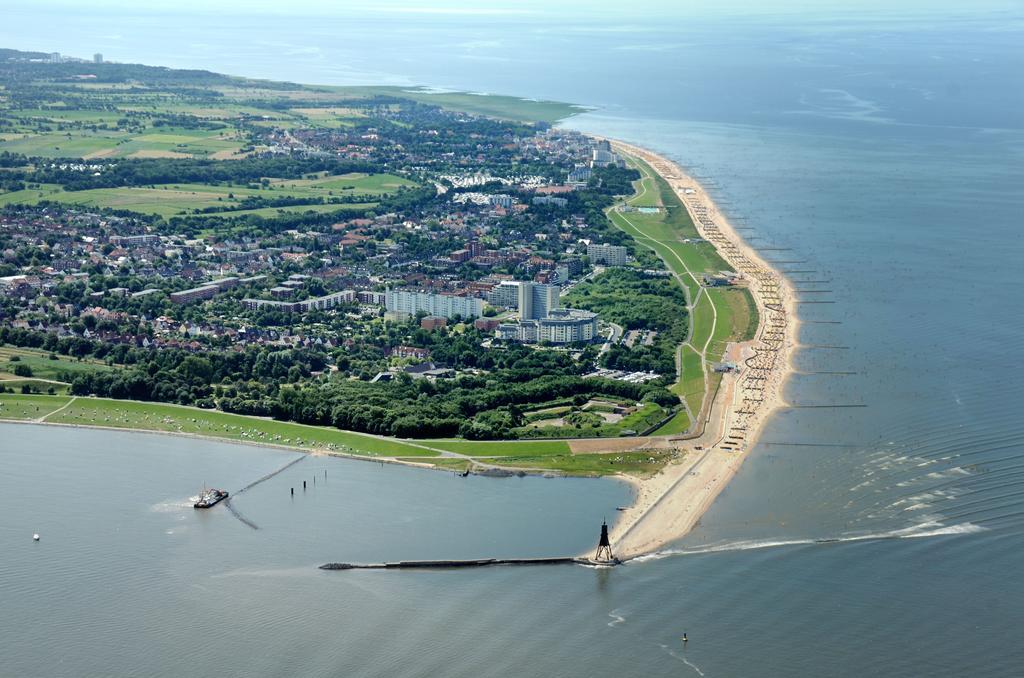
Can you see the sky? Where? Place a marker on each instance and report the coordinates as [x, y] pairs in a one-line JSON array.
[[634, 9]]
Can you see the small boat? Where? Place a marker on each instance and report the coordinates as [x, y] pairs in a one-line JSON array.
[[210, 497]]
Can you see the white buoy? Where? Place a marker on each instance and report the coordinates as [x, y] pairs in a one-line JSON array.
[[35, 537]]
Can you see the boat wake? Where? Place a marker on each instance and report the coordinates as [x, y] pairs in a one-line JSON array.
[[173, 505], [675, 655], [926, 529]]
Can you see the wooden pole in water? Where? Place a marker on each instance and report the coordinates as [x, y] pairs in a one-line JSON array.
[[303, 484], [293, 491]]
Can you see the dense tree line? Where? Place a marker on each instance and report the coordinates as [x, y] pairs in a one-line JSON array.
[[637, 301], [282, 383], [152, 171]]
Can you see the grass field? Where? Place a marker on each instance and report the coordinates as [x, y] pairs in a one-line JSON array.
[[177, 419], [692, 384], [719, 315], [25, 407], [508, 108], [132, 415], [639, 422], [41, 365], [680, 423], [640, 464], [525, 448], [176, 199], [36, 385], [112, 143], [319, 209]]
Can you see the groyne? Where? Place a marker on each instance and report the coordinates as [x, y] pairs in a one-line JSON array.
[[459, 564]]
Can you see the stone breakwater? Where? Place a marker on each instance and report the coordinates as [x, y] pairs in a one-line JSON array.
[[459, 564]]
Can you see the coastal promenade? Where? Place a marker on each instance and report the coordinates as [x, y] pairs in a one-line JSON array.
[[668, 505]]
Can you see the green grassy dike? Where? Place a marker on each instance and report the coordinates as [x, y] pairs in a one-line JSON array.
[[533, 456], [718, 315]]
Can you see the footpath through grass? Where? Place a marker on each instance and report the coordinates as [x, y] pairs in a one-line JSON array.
[[141, 416], [553, 455], [718, 315]]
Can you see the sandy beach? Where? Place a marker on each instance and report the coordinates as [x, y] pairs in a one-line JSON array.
[[669, 504]]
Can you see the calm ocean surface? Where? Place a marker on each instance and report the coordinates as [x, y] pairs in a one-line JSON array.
[[886, 153]]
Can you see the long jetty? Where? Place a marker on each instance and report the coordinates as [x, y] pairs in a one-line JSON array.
[[458, 564]]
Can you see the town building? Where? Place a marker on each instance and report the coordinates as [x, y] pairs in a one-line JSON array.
[[316, 304], [446, 305], [537, 301], [505, 294], [368, 297], [433, 322], [561, 326], [194, 294], [611, 255]]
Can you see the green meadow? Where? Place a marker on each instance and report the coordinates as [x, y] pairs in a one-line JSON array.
[[159, 417], [718, 315]]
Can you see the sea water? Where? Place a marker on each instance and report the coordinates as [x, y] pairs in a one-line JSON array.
[[881, 151]]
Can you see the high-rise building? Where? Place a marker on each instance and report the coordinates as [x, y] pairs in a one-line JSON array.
[[55, 57], [612, 255], [97, 58], [537, 301], [505, 294], [445, 305]]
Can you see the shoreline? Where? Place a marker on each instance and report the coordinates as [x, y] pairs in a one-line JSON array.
[[670, 504]]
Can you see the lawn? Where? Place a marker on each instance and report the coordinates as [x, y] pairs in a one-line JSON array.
[[647, 193], [737, 318], [538, 454], [177, 419], [25, 407], [531, 448], [691, 387], [703, 321], [641, 464], [680, 423]]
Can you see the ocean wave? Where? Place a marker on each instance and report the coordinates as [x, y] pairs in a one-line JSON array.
[[616, 618]]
